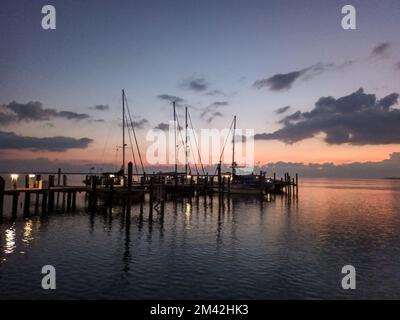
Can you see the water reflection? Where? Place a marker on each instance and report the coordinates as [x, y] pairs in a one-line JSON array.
[[28, 235], [10, 240], [225, 247]]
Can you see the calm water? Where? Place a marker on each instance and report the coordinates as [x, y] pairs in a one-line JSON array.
[[249, 249]]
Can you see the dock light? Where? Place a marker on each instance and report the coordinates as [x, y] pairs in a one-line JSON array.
[[14, 179], [112, 176], [32, 176], [188, 176]]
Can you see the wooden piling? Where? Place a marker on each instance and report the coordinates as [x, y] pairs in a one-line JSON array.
[[74, 201], [130, 172], [27, 200], [69, 201], [51, 194], [44, 201], [15, 204]]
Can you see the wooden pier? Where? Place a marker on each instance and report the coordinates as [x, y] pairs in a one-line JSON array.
[[46, 196]]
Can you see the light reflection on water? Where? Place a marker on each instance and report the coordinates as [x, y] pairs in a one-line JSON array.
[[242, 248]]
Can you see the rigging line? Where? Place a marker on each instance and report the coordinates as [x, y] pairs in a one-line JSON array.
[[194, 159], [223, 149], [180, 133], [197, 146], [134, 134], [132, 149]]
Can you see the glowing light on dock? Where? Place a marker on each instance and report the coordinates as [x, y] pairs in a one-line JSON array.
[[14, 179]]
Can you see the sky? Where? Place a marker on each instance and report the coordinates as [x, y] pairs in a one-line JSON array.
[[311, 91]]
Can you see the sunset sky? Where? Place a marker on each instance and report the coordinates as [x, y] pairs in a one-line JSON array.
[[311, 91]]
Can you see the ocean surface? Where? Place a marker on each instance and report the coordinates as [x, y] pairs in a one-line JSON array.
[[279, 247]]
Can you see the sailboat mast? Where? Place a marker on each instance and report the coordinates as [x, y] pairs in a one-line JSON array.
[[186, 140], [123, 131], [233, 145], [176, 165]]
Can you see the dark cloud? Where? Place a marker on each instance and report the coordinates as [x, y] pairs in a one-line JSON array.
[[169, 98], [165, 126], [280, 81], [214, 115], [357, 119], [211, 112], [34, 111], [380, 49], [100, 107], [162, 126], [284, 81], [10, 140], [196, 84], [282, 110], [215, 93], [140, 123], [376, 169], [72, 115]]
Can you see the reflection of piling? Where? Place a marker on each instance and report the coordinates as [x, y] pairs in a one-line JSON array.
[[2, 187]]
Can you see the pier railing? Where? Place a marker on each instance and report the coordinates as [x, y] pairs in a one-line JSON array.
[[43, 194]]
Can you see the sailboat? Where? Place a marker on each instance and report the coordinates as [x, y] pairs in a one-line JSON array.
[[118, 178], [248, 184]]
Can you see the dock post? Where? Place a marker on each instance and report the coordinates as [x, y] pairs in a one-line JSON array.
[[15, 204], [110, 193], [37, 203], [27, 200], [69, 201], [2, 187], [151, 195], [58, 184], [73, 201], [44, 202], [51, 194], [130, 171]]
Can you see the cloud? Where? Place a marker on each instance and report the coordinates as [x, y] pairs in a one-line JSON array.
[[357, 119], [195, 84], [72, 115], [169, 98], [210, 113], [380, 49], [100, 107], [282, 110], [215, 93], [10, 140], [165, 126], [162, 126], [34, 111], [280, 81], [138, 123], [372, 169], [284, 81], [397, 65]]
